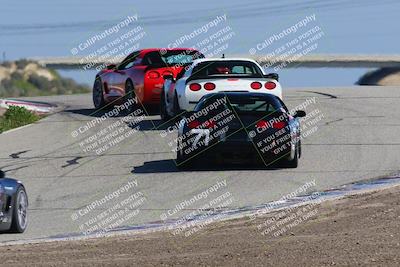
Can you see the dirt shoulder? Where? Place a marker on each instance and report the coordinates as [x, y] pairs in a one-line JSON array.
[[361, 230]]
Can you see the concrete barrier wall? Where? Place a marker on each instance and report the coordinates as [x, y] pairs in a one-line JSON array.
[[308, 61]]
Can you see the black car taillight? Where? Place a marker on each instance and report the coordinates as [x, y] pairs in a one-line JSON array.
[[276, 124], [196, 124], [193, 124], [279, 125]]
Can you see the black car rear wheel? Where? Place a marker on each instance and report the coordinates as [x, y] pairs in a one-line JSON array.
[[181, 162], [293, 163]]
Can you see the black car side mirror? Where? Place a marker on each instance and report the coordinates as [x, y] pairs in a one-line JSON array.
[[299, 114], [2, 174], [168, 77], [274, 76]]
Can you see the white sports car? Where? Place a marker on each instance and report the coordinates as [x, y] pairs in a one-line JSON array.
[[211, 75]]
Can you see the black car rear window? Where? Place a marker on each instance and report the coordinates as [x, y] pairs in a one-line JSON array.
[[244, 103]]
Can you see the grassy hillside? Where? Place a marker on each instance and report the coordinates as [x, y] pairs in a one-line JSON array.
[[28, 78]]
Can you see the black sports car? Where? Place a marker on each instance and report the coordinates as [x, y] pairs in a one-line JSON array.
[[13, 205], [238, 127]]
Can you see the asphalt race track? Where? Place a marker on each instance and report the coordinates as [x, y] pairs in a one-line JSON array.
[[357, 138]]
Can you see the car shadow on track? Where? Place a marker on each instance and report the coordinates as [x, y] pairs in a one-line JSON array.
[[147, 124], [168, 166], [90, 112], [114, 112]]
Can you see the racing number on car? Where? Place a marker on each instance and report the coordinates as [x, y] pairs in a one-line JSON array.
[[200, 133]]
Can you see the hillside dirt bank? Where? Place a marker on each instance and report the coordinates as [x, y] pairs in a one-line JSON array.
[[24, 78], [360, 230], [382, 76]]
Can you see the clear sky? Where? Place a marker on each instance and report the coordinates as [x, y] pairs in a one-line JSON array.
[[53, 28]]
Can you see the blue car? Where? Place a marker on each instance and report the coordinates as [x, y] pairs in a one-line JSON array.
[[13, 205]]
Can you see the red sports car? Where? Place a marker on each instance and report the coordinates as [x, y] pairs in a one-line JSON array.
[[140, 75]]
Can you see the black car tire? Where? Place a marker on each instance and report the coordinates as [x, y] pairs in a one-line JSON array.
[[181, 162], [299, 148], [97, 94], [19, 214], [293, 163], [176, 109], [163, 108], [130, 94]]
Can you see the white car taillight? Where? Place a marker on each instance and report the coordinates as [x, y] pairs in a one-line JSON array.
[[209, 86], [270, 85], [195, 87], [255, 85]]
